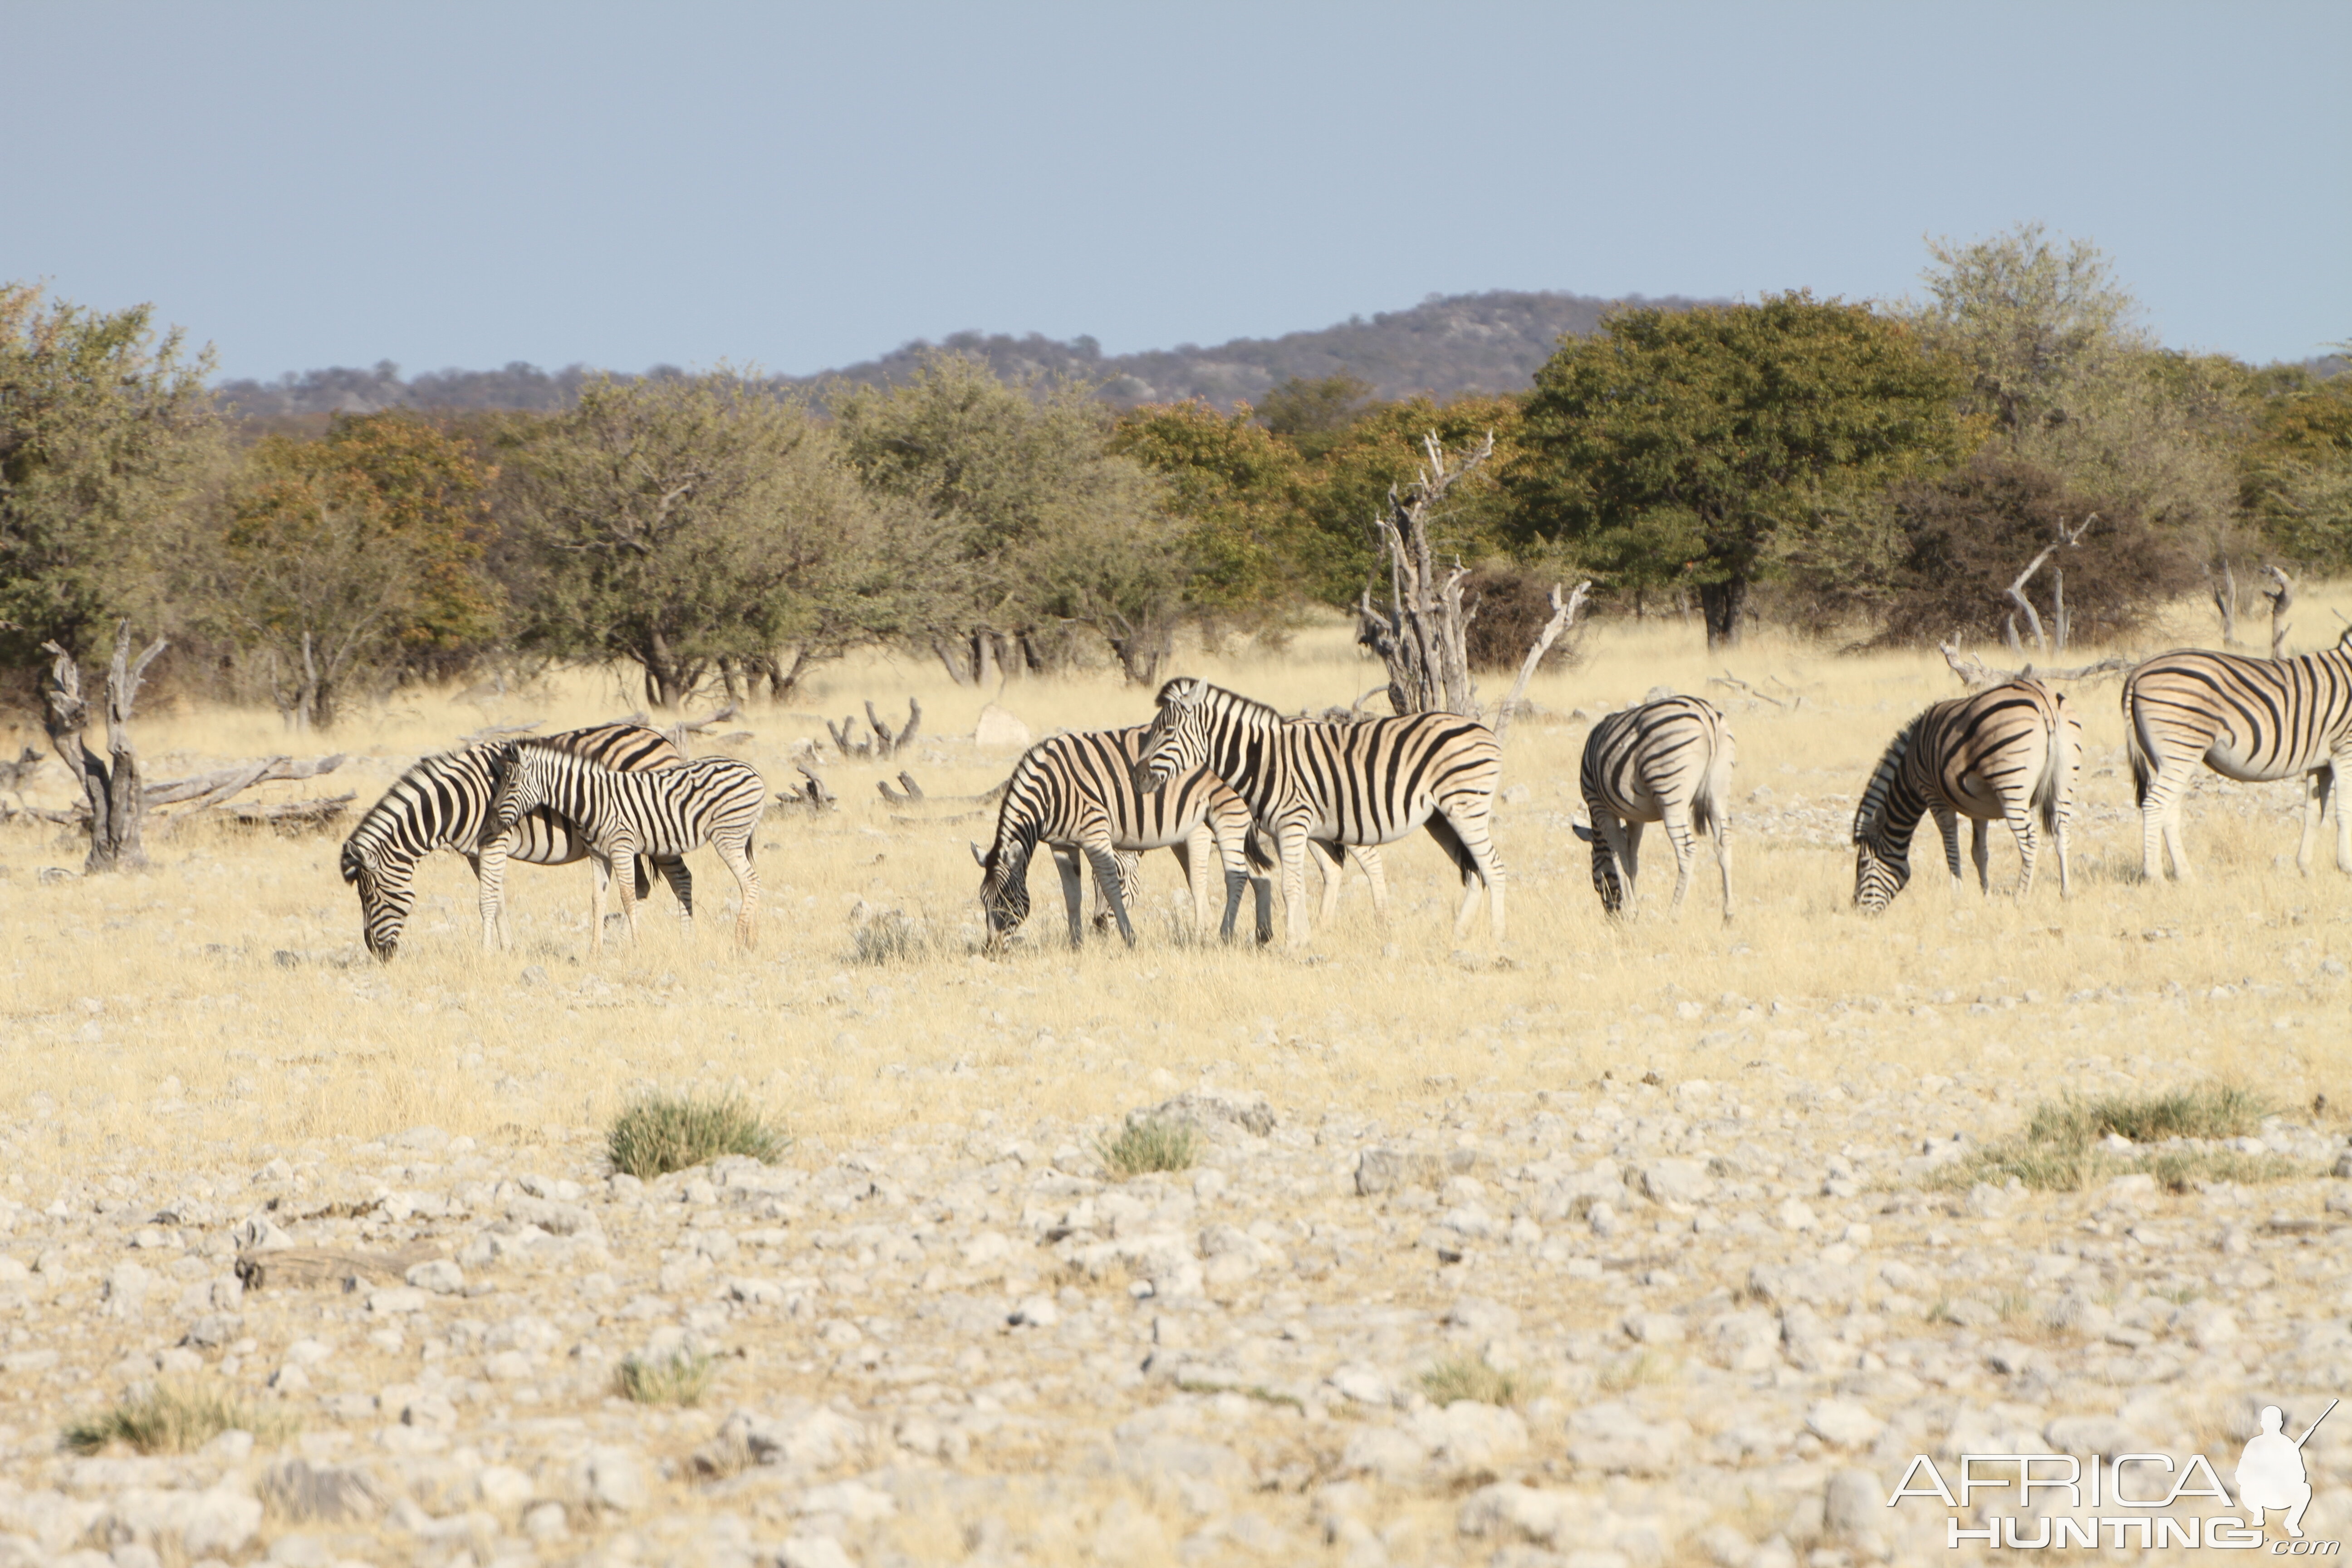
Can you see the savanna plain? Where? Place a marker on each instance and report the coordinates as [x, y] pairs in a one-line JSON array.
[[1656, 1241]]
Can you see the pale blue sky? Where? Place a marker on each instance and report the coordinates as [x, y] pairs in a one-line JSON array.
[[441, 184]]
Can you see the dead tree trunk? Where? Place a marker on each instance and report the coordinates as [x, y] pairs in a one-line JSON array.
[[2225, 600], [118, 807], [1421, 634], [1563, 616], [2280, 593], [2068, 538]]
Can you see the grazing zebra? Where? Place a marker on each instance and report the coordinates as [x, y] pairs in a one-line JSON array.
[[2254, 719], [1668, 762], [2011, 751], [444, 803], [1076, 793], [1365, 783], [623, 816]]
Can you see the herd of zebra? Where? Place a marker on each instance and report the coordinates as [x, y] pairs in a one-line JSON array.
[[1217, 774]]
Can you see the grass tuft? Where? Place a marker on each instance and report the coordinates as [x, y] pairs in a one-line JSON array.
[[1151, 1145], [175, 1418], [679, 1378], [1464, 1377], [893, 938], [665, 1132], [2063, 1147]]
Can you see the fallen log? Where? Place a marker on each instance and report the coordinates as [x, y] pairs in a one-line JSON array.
[[293, 813], [1974, 672]]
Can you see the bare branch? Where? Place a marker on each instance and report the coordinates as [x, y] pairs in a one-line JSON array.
[[1563, 616], [1974, 672], [2280, 593]]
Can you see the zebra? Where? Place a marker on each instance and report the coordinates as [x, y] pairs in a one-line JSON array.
[[1076, 793], [1668, 760], [444, 803], [1363, 783], [2254, 719], [623, 816], [2010, 750]]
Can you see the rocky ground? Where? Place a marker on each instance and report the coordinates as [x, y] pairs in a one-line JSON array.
[[1618, 1325]]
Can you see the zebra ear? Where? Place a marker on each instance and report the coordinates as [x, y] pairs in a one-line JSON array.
[[980, 855], [1583, 833], [1184, 691]]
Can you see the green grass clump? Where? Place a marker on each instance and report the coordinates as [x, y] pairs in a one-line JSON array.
[[892, 938], [2208, 1110], [175, 1418], [1150, 1145], [2062, 1151], [679, 1378], [1464, 1377], [665, 1132]]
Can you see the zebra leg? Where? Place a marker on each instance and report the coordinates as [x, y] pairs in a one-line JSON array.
[[596, 901], [1678, 826], [2029, 848], [1263, 888], [1629, 857], [681, 886], [1722, 858], [1981, 851], [2314, 804], [1107, 882], [1074, 893], [1477, 858], [1290, 849], [736, 854], [2327, 789], [624, 884], [1368, 858], [490, 890], [1333, 875], [1948, 825]]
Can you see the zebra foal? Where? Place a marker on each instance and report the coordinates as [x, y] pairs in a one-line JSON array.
[[1667, 762], [717, 801], [1366, 783], [2253, 720], [444, 803], [2011, 751], [1077, 795]]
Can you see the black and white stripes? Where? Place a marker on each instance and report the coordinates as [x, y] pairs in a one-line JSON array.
[[623, 816], [1669, 762], [442, 803], [2011, 751], [1076, 793], [1370, 782], [2254, 719]]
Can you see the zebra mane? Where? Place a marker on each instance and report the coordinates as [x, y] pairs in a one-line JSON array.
[[1882, 781], [1192, 692], [368, 834]]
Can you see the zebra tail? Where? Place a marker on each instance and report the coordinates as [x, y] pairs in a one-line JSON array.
[[2143, 770]]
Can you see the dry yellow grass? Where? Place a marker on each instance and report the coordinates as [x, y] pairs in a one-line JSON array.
[[218, 1002]]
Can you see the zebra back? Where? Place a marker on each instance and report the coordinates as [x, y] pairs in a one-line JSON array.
[[2287, 715], [657, 812]]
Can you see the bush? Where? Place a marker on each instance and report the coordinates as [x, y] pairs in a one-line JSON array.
[[173, 1419], [1512, 607], [1150, 1145], [679, 1378], [662, 1134], [1466, 1377], [2063, 1150], [1963, 538]]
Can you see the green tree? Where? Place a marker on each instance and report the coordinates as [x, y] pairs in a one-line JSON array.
[[1232, 485], [684, 523], [2059, 372], [1702, 446], [1314, 416], [1043, 524], [2296, 478], [347, 559], [106, 433]]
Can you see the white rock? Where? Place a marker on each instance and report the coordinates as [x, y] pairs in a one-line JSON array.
[[812, 1552], [615, 1477], [397, 1299], [441, 1276], [1613, 1438], [1036, 1313], [853, 1501], [1845, 1422], [503, 1488], [999, 731]]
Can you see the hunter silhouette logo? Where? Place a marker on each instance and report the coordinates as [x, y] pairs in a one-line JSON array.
[[2090, 1500], [2271, 1473]]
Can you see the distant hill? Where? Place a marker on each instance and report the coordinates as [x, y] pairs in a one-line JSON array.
[[1446, 345]]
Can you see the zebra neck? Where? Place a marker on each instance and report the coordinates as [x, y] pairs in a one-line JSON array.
[[1898, 820], [1252, 756]]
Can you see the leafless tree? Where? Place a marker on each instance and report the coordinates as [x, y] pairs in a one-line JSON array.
[[2280, 593], [1420, 634], [1563, 616], [2068, 538], [118, 807]]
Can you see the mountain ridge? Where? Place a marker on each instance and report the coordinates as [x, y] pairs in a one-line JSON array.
[[1447, 345]]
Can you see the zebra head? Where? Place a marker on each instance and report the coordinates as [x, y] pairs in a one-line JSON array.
[[1882, 837], [516, 786], [386, 896], [1003, 890], [1177, 740]]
